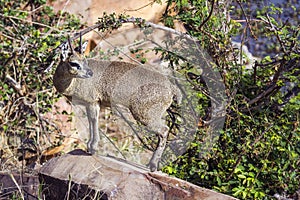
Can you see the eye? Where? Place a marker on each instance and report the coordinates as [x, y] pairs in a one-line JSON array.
[[75, 65]]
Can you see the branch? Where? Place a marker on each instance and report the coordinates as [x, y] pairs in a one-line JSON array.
[[144, 6], [209, 15], [17, 86], [141, 22], [264, 94], [247, 19], [32, 22], [273, 28]]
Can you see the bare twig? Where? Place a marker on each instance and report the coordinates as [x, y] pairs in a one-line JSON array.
[[11, 38], [62, 12], [274, 29], [14, 84], [28, 21], [144, 6], [18, 186], [247, 19], [121, 51], [209, 15]]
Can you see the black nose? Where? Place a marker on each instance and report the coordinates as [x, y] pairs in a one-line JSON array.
[[89, 73]]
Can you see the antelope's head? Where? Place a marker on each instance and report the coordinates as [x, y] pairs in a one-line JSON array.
[[74, 61]]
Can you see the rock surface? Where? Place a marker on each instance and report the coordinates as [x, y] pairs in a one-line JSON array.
[[79, 175]]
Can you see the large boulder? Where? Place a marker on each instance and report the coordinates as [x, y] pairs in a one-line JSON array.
[[78, 175]]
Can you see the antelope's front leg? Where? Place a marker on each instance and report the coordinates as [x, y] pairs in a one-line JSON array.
[[93, 117]]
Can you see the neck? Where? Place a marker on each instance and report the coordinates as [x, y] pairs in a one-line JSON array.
[[62, 80]]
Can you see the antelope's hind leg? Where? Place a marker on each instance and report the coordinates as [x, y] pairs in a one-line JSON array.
[[152, 118], [162, 133]]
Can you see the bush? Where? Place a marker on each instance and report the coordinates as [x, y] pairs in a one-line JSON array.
[[257, 154], [30, 32]]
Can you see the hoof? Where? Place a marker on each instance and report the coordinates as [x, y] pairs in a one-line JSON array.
[[153, 166], [91, 151], [91, 148]]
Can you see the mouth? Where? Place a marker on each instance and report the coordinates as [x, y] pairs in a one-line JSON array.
[[85, 76], [88, 74]]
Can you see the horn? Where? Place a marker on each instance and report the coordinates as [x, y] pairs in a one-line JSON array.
[[70, 44], [80, 43]]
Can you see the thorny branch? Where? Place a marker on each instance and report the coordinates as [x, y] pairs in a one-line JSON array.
[[114, 24]]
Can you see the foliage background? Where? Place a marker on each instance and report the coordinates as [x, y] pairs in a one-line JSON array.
[[257, 155], [258, 152], [30, 31]]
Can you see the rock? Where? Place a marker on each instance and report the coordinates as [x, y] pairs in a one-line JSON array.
[[78, 175]]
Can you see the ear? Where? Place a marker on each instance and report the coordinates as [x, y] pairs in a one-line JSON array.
[[65, 50], [81, 48]]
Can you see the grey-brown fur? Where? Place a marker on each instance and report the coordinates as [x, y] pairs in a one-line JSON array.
[[146, 93]]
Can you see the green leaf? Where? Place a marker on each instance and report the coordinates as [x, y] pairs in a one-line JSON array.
[[241, 176]]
